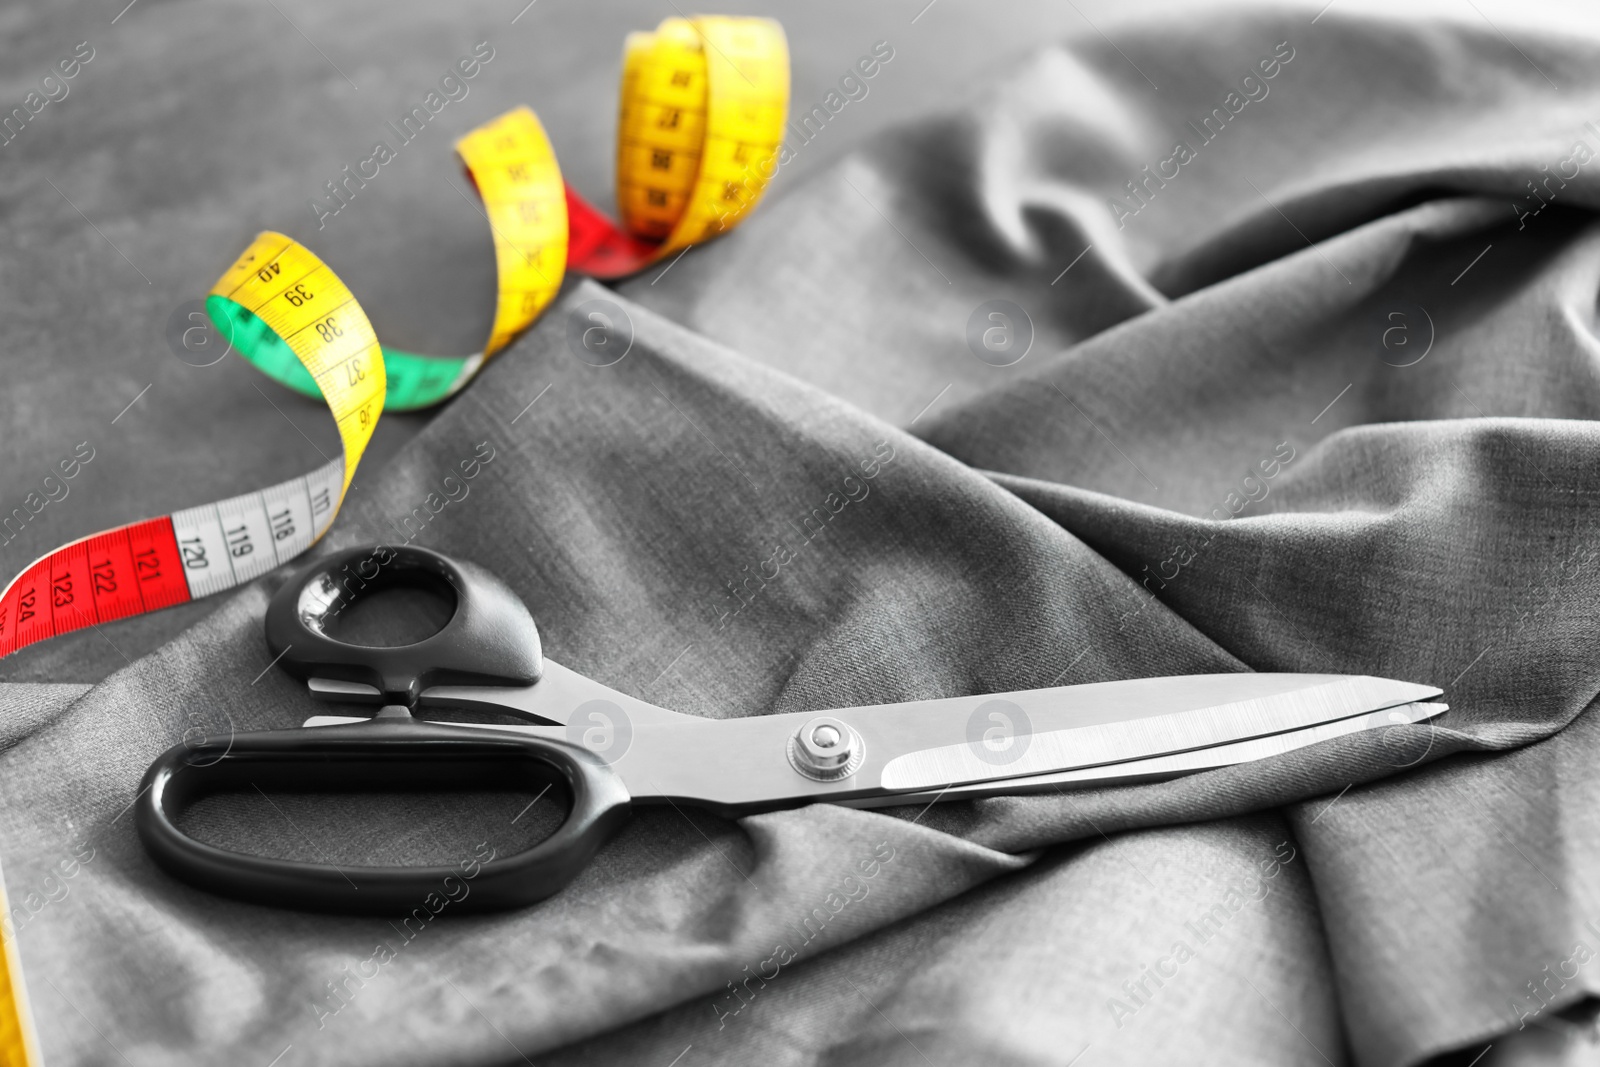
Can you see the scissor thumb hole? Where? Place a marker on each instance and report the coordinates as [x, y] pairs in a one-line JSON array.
[[488, 637]]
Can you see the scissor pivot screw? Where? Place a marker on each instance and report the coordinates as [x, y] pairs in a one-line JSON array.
[[826, 750]]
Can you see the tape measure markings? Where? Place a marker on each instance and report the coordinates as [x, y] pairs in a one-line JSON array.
[[159, 562], [286, 519], [744, 123], [695, 139], [661, 128]]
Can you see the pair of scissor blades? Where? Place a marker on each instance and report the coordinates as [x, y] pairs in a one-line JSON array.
[[1037, 740]]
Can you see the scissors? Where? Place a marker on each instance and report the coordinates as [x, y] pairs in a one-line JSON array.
[[607, 750]]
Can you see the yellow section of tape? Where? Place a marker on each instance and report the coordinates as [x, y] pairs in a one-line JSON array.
[[704, 101], [525, 202], [304, 303], [18, 1047]]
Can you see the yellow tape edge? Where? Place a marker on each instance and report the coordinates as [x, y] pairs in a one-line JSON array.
[[19, 1044]]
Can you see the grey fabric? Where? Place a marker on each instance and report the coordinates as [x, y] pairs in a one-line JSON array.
[[28, 706], [1380, 899]]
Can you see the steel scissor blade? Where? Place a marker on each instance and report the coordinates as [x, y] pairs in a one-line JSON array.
[[1162, 768], [1327, 698], [740, 765]]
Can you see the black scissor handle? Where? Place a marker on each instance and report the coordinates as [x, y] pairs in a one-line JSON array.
[[391, 752], [490, 639]]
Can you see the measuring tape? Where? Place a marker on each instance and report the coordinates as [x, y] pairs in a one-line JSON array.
[[156, 563], [511, 163], [704, 103], [703, 107]]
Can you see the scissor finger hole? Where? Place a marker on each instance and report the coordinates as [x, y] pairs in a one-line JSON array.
[[387, 828], [401, 607]]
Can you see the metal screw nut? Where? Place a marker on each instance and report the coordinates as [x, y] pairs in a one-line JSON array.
[[826, 749]]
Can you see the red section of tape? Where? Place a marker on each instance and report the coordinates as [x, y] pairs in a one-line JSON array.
[[157, 571], [598, 247], [121, 572], [26, 618], [111, 576], [70, 602]]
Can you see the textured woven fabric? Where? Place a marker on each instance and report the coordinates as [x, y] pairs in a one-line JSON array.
[[1216, 454]]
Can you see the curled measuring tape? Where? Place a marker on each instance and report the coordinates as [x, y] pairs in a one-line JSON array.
[[511, 163], [158, 562], [703, 105], [704, 102]]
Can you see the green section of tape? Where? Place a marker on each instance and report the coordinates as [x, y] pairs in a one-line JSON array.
[[413, 381]]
